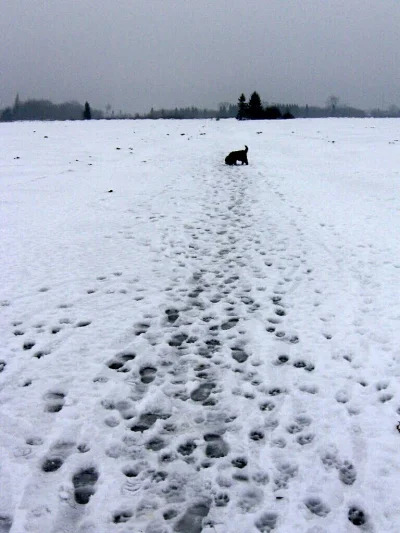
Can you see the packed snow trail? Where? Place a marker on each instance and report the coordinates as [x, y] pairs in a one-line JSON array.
[[206, 348]]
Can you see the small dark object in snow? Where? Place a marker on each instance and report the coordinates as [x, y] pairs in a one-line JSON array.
[[46, 137], [110, 190], [398, 427], [183, 133], [16, 157], [356, 516]]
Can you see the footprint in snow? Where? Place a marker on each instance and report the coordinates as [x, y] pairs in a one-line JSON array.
[[54, 401], [84, 483], [57, 455]]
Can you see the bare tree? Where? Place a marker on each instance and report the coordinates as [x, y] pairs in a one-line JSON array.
[[332, 103]]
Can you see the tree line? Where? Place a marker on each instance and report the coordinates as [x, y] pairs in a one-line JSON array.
[[46, 110], [254, 109]]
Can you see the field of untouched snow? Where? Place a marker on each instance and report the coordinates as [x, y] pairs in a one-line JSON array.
[[205, 348]]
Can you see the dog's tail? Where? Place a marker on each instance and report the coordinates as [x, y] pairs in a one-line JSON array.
[[246, 149]]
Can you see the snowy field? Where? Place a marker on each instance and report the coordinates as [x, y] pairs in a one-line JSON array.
[[206, 348]]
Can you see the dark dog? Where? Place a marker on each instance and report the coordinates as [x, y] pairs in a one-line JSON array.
[[239, 155]]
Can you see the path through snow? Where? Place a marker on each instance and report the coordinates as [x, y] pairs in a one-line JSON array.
[[206, 348]]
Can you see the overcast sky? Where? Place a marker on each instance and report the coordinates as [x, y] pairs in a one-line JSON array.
[[135, 55]]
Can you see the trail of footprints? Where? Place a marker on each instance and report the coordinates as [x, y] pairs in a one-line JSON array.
[[195, 346], [191, 454]]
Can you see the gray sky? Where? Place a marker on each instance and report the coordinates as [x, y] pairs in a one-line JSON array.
[[135, 55]]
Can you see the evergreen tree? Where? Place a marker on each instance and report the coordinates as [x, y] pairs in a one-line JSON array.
[[272, 113], [242, 108], [287, 114], [87, 113], [255, 107], [332, 103], [16, 108], [6, 115]]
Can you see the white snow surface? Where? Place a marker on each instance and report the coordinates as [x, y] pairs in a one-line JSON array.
[[206, 348]]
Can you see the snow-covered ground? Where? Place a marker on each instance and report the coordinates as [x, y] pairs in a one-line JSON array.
[[206, 348]]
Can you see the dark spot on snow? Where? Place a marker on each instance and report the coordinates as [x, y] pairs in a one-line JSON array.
[[347, 473], [169, 514], [119, 361], [202, 392], [52, 465], [286, 472], [83, 323], [266, 522], [122, 517], [115, 365], [84, 482], [191, 521], [261, 478], [282, 359], [316, 506], [305, 439], [356, 516], [177, 340], [159, 476], [256, 435], [385, 397], [172, 315], [230, 323], [216, 446], [5, 523], [147, 374], [54, 402], [155, 444], [131, 471], [187, 448], [239, 462], [221, 499], [275, 391], [213, 343], [141, 328], [267, 406], [34, 441], [28, 345], [147, 420], [239, 354]]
